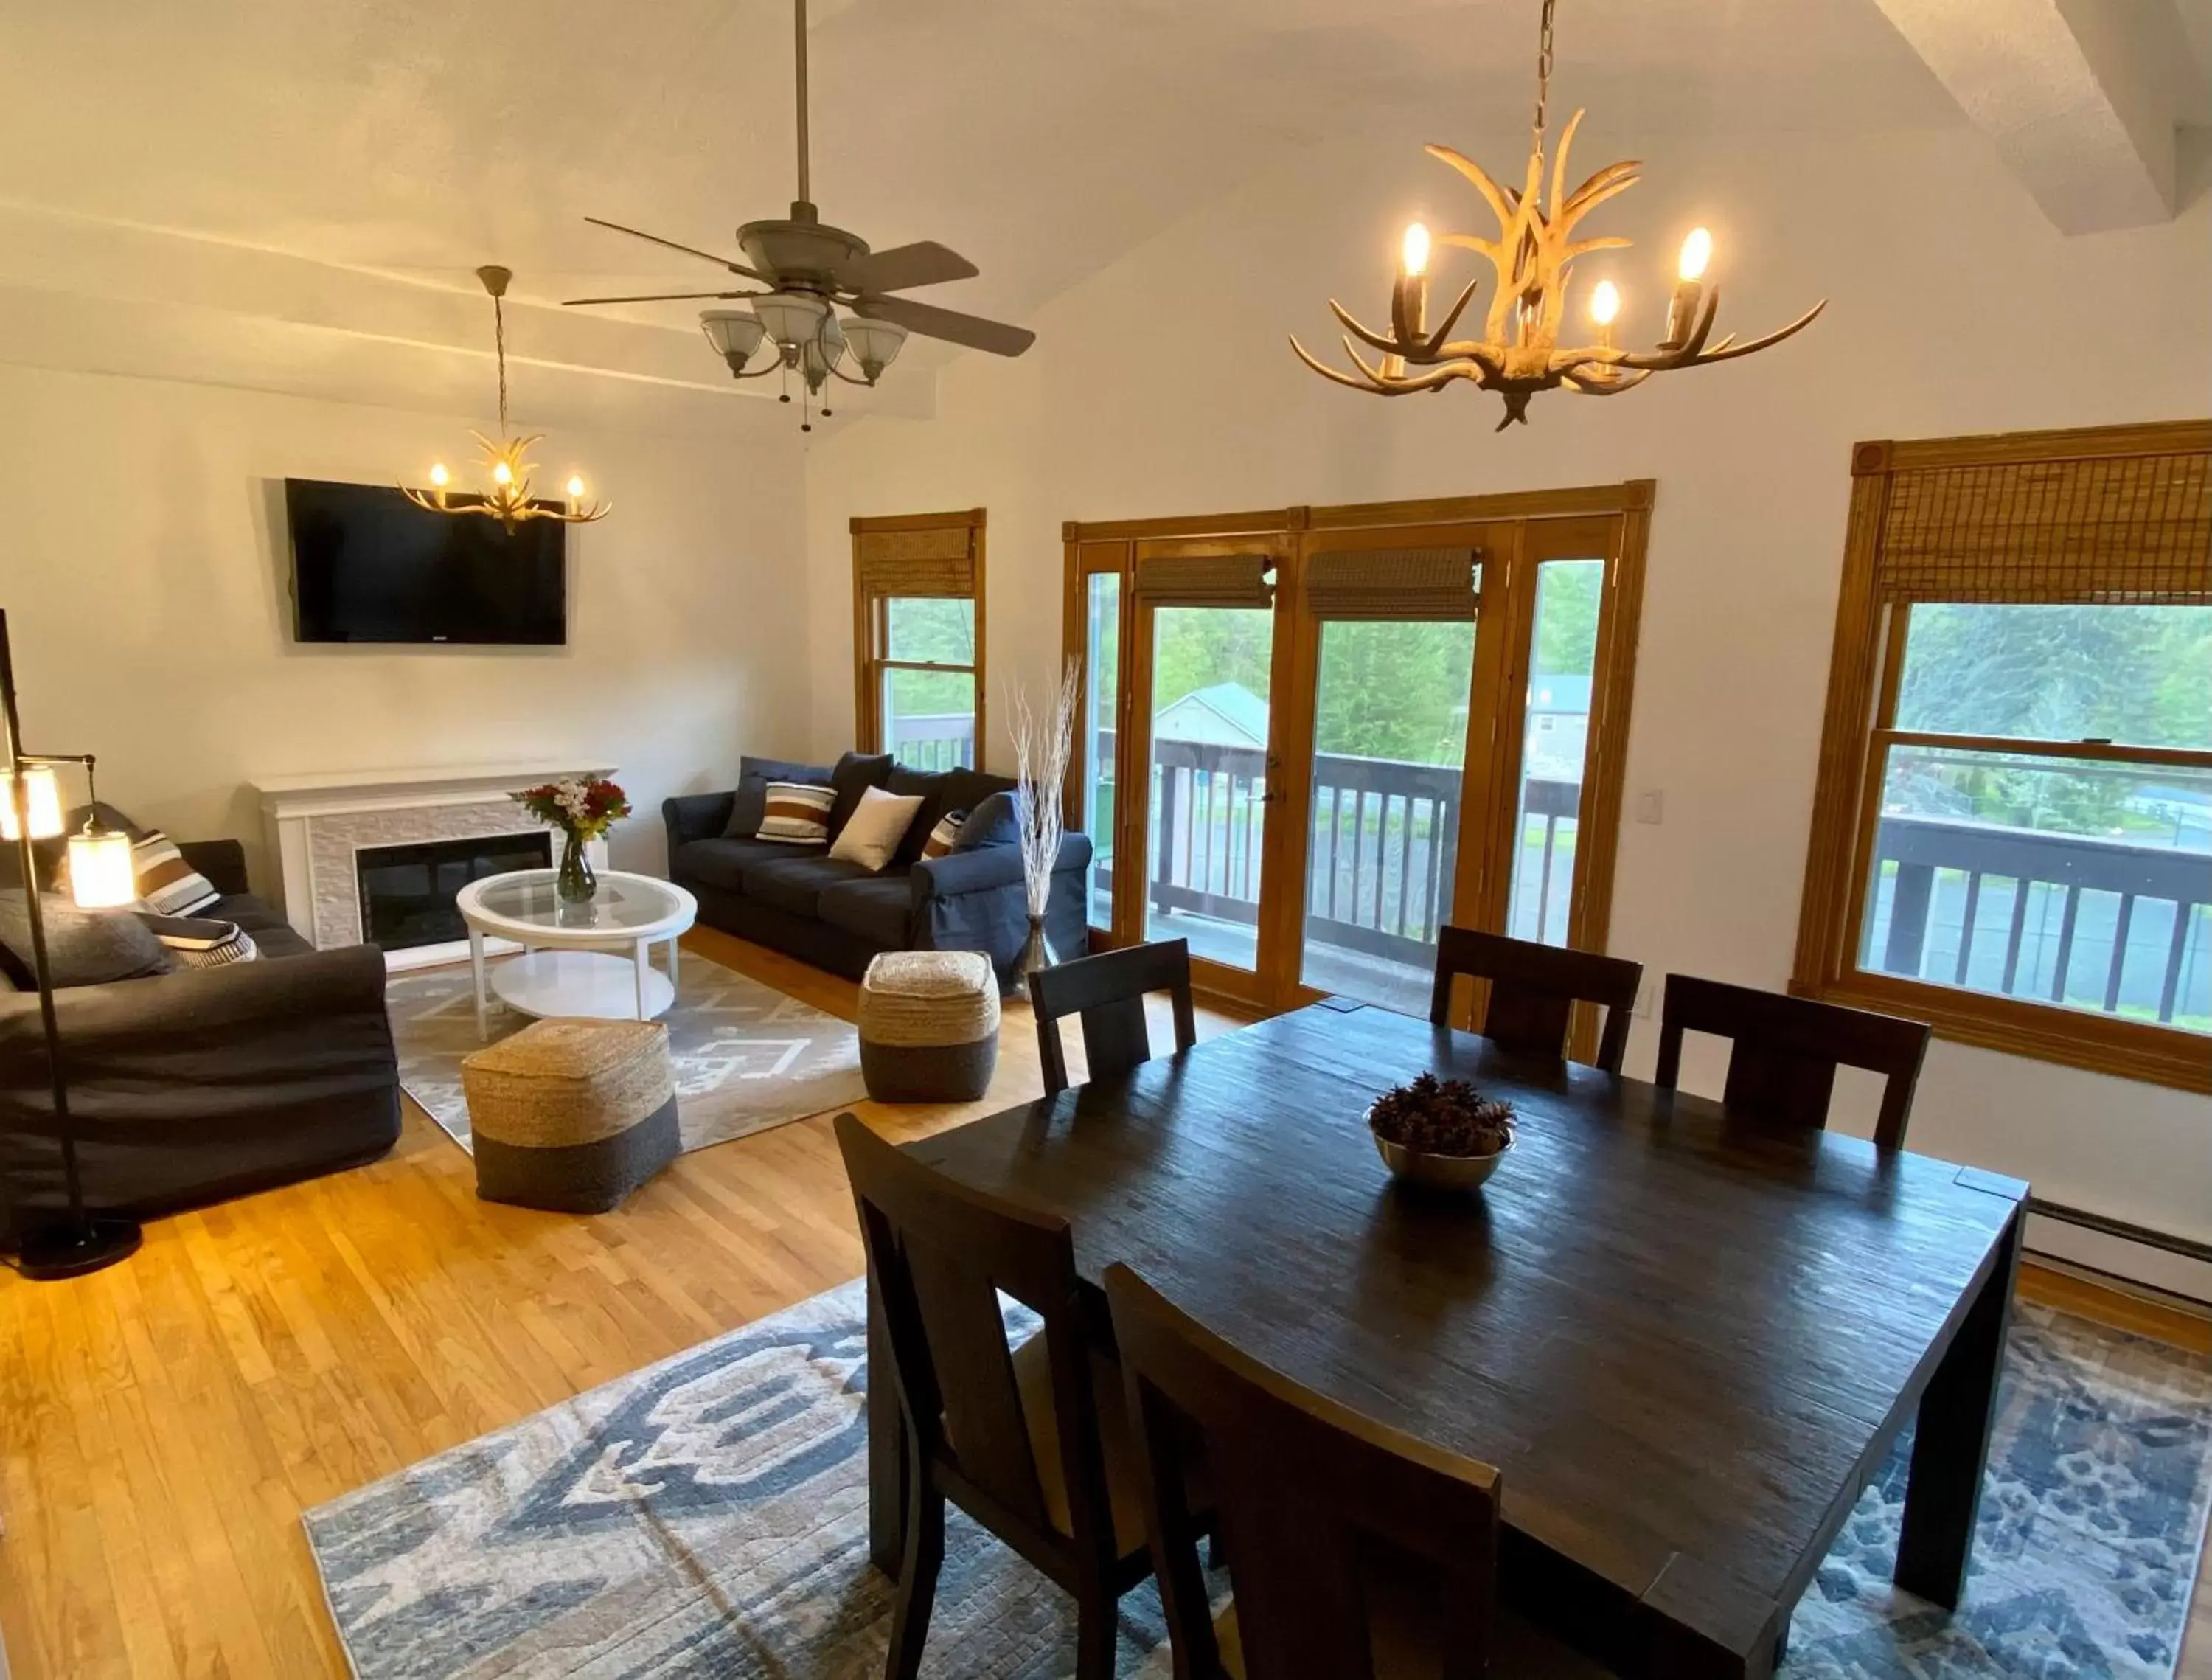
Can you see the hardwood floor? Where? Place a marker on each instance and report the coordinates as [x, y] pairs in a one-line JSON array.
[[163, 1424]]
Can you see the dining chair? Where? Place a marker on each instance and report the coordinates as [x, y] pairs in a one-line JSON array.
[[1784, 1051], [1107, 991], [1032, 1442], [1533, 989], [1354, 1551]]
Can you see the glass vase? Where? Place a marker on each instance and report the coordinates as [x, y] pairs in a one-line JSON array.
[[575, 883]]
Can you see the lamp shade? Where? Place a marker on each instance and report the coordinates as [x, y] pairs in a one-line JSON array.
[[100, 873], [734, 333], [792, 317], [46, 800], [822, 351], [876, 345]]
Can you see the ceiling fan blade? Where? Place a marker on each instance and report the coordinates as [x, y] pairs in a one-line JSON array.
[[688, 250], [929, 320], [657, 297], [924, 264]]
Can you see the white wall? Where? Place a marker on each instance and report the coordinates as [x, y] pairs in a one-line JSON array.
[[1164, 386], [145, 573]]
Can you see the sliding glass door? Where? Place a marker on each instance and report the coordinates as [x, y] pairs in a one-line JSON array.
[[1308, 750]]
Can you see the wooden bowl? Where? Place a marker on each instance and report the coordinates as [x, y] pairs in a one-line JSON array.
[[1441, 1172]]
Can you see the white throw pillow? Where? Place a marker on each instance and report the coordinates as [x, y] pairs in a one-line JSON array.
[[876, 825]]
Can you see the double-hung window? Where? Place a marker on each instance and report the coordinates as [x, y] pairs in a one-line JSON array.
[[2013, 836], [918, 638]]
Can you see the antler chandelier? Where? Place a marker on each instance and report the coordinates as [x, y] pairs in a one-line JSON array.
[[1519, 353], [508, 499]]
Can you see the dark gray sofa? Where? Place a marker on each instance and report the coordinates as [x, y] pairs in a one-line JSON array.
[[837, 916], [203, 1084]]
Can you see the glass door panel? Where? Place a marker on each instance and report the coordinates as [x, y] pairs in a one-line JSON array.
[[1554, 747], [1206, 827], [1102, 664], [1390, 725]]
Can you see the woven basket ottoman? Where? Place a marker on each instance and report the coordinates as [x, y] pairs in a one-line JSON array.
[[571, 1116], [929, 1026]]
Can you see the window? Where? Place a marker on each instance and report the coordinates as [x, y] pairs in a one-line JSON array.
[[918, 638], [2013, 836]]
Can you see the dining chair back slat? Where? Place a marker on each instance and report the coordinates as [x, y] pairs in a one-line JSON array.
[[1533, 989], [1783, 1052], [1107, 992], [939, 1253], [1318, 1508]]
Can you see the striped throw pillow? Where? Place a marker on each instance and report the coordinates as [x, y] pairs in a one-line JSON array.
[[202, 942], [798, 814], [167, 885], [942, 837]]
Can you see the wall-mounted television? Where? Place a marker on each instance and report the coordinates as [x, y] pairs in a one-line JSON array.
[[369, 566]]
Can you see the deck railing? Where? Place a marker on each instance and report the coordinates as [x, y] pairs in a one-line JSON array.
[[2106, 924], [1383, 852], [941, 741]]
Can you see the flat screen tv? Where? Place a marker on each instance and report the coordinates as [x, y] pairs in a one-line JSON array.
[[368, 565]]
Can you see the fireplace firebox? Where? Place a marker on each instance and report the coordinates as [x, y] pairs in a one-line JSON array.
[[407, 893]]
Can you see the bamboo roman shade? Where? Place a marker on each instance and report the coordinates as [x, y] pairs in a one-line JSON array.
[[2113, 529], [936, 560], [1207, 580], [1393, 583]]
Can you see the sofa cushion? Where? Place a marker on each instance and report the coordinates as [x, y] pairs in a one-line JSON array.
[[877, 829], [754, 775], [970, 787], [83, 947], [202, 941], [932, 786], [996, 822], [879, 910], [798, 814], [856, 772], [721, 863], [796, 884], [273, 934]]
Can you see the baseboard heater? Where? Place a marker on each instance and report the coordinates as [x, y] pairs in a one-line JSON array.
[[2187, 1247]]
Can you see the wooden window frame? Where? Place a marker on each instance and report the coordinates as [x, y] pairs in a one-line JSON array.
[[1549, 524], [1866, 670], [871, 625]]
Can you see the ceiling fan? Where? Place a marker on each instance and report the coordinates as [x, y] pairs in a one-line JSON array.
[[809, 269]]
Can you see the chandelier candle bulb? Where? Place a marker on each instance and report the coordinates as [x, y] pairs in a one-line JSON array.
[[575, 487], [1604, 308], [1689, 291], [439, 479]]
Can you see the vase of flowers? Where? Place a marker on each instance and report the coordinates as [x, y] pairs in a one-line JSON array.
[[1043, 744], [583, 808]]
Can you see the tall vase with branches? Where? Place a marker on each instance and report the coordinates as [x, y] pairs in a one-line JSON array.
[[1043, 744]]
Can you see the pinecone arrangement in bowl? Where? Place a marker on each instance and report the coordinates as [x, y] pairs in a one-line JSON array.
[[1441, 1132]]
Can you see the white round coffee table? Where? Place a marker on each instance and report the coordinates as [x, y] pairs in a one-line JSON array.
[[569, 965]]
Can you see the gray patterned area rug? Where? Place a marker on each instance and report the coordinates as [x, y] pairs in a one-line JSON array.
[[709, 1516], [746, 1056]]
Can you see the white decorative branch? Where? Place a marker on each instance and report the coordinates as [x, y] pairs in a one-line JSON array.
[[1043, 745]]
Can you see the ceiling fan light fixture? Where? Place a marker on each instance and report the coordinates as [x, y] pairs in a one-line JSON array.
[[875, 344], [734, 333], [793, 318]]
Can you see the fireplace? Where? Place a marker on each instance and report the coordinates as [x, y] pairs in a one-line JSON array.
[[407, 892]]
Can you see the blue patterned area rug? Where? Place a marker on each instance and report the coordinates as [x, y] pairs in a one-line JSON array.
[[709, 1516]]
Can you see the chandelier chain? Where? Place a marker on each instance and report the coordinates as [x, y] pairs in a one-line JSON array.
[[1543, 70], [499, 347]]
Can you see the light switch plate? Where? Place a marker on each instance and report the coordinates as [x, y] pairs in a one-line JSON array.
[[1651, 805]]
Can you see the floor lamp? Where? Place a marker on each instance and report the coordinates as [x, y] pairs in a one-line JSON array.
[[82, 1242]]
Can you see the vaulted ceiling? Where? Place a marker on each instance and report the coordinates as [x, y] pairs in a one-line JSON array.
[[201, 190]]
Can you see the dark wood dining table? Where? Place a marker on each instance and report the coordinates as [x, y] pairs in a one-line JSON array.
[[1686, 1340]]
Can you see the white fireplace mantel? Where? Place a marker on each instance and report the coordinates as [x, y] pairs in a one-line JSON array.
[[316, 824]]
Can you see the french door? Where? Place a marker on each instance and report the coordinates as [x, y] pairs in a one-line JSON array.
[[1312, 739]]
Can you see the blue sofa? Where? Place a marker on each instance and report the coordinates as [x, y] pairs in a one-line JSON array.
[[837, 915]]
